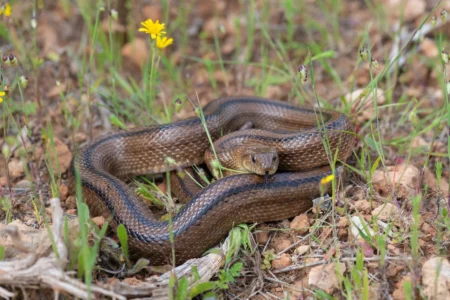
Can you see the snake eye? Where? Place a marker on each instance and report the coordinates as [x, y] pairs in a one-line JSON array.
[[253, 158], [274, 158]]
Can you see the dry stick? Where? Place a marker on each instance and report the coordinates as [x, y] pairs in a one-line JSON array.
[[276, 280], [6, 294], [294, 244], [47, 271], [412, 36], [345, 259]]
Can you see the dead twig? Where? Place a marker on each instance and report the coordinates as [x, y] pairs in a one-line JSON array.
[[45, 271]]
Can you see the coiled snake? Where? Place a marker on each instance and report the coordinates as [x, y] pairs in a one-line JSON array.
[[243, 198]]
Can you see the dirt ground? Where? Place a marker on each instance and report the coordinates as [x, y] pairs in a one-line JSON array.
[[383, 63]]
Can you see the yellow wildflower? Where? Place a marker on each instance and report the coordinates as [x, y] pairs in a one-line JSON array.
[[154, 29], [327, 179], [5, 9], [163, 42], [1, 95]]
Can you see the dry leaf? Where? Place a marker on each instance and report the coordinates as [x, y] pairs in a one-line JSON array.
[[48, 36], [136, 51], [153, 12], [436, 278], [59, 155], [57, 90], [324, 277], [300, 224], [281, 243], [410, 9], [282, 262], [399, 293], [429, 48], [301, 250], [16, 168], [386, 212]]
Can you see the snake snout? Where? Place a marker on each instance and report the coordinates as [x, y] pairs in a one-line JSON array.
[[265, 163], [269, 163]]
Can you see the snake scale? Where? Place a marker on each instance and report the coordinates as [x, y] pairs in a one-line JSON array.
[[207, 218]]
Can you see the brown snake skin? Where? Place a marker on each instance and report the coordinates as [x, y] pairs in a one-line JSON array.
[[245, 198]]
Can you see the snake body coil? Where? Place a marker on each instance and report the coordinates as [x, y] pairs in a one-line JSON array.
[[208, 217]]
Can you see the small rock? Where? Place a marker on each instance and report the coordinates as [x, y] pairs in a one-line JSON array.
[[404, 176], [436, 278], [213, 26], [112, 281], [223, 77], [262, 237], [60, 156], [324, 277], [56, 90], [228, 46], [399, 293], [358, 224], [282, 262], [114, 26], [80, 137], [136, 51], [285, 223], [409, 10], [152, 11], [357, 193], [72, 211], [38, 240], [16, 168], [326, 231], [299, 289], [300, 224], [342, 233], [393, 270], [23, 184], [37, 153], [301, 250], [99, 221], [418, 142], [32, 222], [394, 249], [427, 228], [311, 260], [443, 185], [429, 48], [343, 222], [281, 244], [274, 91], [133, 281], [49, 212], [386, 212], [430, 179], [363, 206]]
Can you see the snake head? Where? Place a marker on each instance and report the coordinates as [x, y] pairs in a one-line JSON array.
[[260, 159]]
